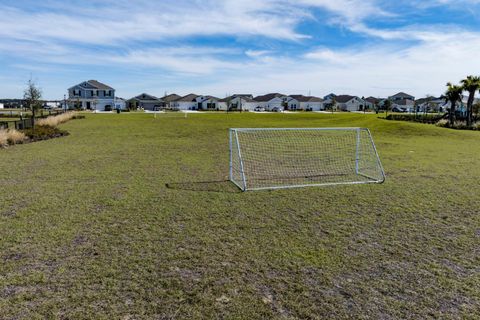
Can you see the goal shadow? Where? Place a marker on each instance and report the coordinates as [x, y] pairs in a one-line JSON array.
[[221, 186]]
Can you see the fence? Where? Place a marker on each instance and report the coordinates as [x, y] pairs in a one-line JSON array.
[[25, 123]]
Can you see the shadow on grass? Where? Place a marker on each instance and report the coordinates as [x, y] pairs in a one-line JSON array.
[[224, 186]]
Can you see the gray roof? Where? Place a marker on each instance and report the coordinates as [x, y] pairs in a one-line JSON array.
[[402, 94], [146, 97], [269, 97], [372, 100], [211, 98], [94, 84], [344, 98], [189, 97], [171, 97], [245, 97], [303, 98], [99, 85]]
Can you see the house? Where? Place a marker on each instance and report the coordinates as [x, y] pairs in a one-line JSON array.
[[120, 103], [272, 101], [329, 96], [349, 103], [188, 102], [169, 99], [403, 101], [208, 103], [147, 102], [51, 105], [307, 103], [401, 96], [372, 102], [1, 106], [91, 95], [238, 102]]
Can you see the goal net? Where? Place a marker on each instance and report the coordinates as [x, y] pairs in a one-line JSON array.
[[274, 158]]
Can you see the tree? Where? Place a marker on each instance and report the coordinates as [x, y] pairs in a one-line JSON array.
[[387, 104], [453, 95], [476, 110], [377, 106], [32, 96], [470, 84], [133, 104], [334, 104]]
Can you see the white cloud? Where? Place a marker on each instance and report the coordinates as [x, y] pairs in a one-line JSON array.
[[146, 44], [121, 21]]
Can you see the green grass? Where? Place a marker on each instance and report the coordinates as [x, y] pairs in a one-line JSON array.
[[89, 229]]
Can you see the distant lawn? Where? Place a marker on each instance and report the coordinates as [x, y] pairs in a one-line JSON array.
[[89, 229]]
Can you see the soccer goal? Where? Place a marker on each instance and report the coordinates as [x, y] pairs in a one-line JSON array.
[[271, 158]]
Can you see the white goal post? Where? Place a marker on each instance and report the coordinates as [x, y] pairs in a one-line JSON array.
[[277, 158]]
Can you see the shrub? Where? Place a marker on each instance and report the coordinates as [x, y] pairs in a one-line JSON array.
[[54, 121], [459, 125], [15, 137], [428, 118], [442, 123], [11, 136], [44, 132], [3, 138]]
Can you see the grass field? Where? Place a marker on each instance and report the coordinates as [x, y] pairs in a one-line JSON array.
[[89, 229]]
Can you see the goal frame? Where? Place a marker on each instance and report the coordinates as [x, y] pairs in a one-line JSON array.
[[242, 185]]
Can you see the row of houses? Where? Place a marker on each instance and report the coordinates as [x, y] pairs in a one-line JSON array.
[[94, 95]]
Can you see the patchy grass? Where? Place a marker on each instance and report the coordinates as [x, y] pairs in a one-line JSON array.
[[90, 229]]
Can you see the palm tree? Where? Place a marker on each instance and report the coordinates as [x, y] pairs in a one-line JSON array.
[[471, 84], [453, 95]]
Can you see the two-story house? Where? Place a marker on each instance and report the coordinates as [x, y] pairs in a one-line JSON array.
[[91, 95], [402, 102]]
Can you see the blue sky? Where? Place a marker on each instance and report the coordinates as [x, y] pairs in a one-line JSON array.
[[359, 47]]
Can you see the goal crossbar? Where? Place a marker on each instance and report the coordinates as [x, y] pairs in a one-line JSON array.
[[278, 158]]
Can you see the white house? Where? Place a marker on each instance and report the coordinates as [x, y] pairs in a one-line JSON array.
[[349, 103], [235, 102], [307, 103], [208, 103], [1, 106], [91, 95], [272, 101], [188, 102], [120, 103], [169, 99]]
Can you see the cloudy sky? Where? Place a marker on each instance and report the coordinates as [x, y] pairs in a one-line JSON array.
[[219, 47]]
